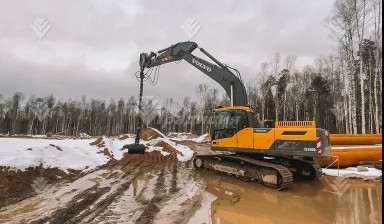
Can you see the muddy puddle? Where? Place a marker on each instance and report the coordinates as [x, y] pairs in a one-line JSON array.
[[329, 200]]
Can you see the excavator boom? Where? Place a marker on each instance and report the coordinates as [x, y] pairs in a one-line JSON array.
[[219, 72]]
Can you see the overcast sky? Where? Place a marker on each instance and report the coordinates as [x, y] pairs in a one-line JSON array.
[[92, 48]]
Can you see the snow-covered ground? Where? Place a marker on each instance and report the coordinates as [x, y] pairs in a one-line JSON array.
[[186, 152], [77, 154], [188, 136], [370, 173], [21, 153]]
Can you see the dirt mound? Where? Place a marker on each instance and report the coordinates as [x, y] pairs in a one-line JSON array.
[[97, 141], [150, 133], [148, 158], [123, 137], [16, 185]]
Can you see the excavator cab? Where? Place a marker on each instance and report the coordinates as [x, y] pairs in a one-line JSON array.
[[230, 120], [227, 123]]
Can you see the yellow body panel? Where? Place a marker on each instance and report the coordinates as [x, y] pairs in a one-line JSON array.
[[226, 142], [310, 134], [245, 138], [264, 140], [242, 139]]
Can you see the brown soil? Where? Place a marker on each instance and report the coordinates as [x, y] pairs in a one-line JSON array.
[[123, 137], [149, 134], [97, 141], [107, 153], [148, 158], [57, 147], [16, 185], [378, 165], [168, 148]]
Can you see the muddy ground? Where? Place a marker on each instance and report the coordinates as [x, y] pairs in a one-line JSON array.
[[152, 188]]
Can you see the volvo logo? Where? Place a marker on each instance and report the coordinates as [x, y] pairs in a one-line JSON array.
[[201, 65]]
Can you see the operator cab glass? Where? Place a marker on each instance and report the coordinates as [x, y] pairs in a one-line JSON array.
[[228, 123]]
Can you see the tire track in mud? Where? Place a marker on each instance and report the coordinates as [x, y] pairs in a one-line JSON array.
[[79, 203], [182, 199], [188, 207], [107, 211], [78, 209], [151, 207], [90, 214], [187, 210], [174, 189]]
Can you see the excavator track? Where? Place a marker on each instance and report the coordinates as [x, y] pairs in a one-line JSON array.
[[271, 175], [301, 169]]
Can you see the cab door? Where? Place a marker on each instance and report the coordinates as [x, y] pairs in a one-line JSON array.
[[231, 130]]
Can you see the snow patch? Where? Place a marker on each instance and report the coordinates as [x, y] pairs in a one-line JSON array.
[[372, 173], [76, 154], [65, 154], [202, 138]]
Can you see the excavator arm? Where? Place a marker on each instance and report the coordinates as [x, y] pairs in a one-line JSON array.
[[219, 72]]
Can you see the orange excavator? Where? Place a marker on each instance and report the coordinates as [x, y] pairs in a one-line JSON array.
[[272, 155]]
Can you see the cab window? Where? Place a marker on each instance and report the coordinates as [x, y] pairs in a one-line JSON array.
[[228, 123]]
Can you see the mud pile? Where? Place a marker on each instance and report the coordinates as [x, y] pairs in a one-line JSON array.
[[16, 185], [154, 140]]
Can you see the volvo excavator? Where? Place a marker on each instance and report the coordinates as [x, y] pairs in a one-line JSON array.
[[273, 155]]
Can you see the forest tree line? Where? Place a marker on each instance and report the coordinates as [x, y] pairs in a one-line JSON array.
[[341, 91]]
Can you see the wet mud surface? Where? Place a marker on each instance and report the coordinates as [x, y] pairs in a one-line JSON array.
[[306, 202], [155, 189]]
